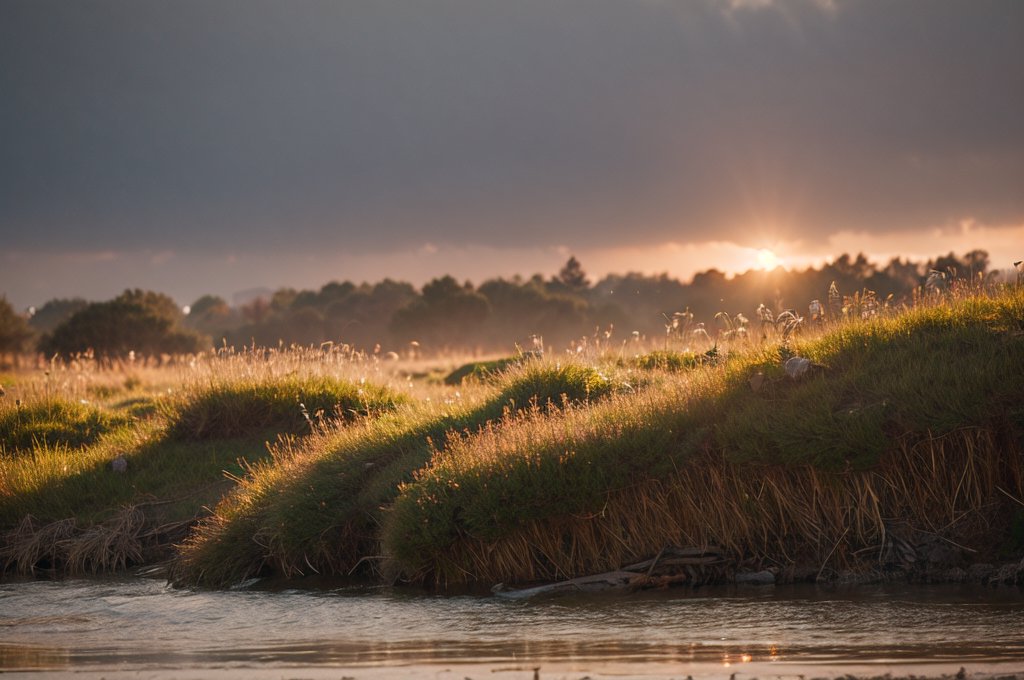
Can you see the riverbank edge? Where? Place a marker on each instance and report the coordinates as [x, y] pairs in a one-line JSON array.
[[520, 669], [879, 551]]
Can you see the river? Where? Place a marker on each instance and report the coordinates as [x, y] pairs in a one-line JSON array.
[[141, 628]]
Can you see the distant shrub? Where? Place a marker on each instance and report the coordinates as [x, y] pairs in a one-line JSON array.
[[290, 405], [135, 321]]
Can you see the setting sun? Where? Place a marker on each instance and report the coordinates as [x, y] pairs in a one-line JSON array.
[[766, 259]]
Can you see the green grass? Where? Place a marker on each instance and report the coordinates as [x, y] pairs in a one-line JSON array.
[[58, 482], [928, 371], [182, 453], [63, 468], [54, 422], [480, 370], [532, 466], [553, 384], [671, 360], [226, 409], [319, 508]]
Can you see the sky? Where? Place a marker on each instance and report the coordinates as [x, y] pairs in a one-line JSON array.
[[197, 147]]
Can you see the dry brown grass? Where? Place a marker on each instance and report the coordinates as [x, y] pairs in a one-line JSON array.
[[110, 546], [951, 486], [63, 545], [32, 541]]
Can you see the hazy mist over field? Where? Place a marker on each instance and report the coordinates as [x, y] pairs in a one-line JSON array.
[[194, 147]]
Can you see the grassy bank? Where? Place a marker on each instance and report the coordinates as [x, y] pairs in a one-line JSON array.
[[317, 507], [909, 420], [829, 445]]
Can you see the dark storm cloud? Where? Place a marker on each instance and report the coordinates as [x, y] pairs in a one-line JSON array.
[[292, 125]]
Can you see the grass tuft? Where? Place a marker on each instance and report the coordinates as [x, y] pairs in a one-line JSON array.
[[553, 384], [239, 408], [480, 370], [671, 360]]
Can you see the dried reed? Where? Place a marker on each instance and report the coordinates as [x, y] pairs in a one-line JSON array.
[[948, 486], [64, 546]]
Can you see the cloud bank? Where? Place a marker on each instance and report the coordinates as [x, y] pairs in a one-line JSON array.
[[357, 128]]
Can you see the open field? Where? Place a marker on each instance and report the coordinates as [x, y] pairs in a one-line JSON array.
[[857, 442]]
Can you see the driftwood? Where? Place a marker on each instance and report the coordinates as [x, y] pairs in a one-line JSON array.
[[598, 582], [631, 577]]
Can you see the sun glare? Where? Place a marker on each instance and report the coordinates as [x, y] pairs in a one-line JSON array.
[[766, 259]]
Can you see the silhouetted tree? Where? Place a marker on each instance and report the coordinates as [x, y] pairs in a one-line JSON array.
[[501, 313], [970, 265], [904, 275], [257, 311], [340, 312], [137, 321], [14, 331], [361, 317], [305, 326], [334, 291], [208, 305], [283, 298], [573, 276], [522, 310], [211, 314], [445, 315], [55, 312], [857, 270]]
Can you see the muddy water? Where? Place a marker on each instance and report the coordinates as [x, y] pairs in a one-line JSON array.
[[141, 628]]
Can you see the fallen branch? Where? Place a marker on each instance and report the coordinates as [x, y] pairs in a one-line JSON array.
[[612, 580]]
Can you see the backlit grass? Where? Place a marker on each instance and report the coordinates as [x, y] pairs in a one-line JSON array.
[[672, 360], [924, 373], [318, 508], [181, 448], [225, 409]]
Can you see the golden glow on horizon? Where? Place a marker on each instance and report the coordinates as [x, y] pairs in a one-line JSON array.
[[766, 259], [101, 275]]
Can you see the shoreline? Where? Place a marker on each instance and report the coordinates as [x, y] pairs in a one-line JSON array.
[[566, 670]]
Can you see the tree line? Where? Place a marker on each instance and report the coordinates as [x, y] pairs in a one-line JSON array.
[[446, 315]]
